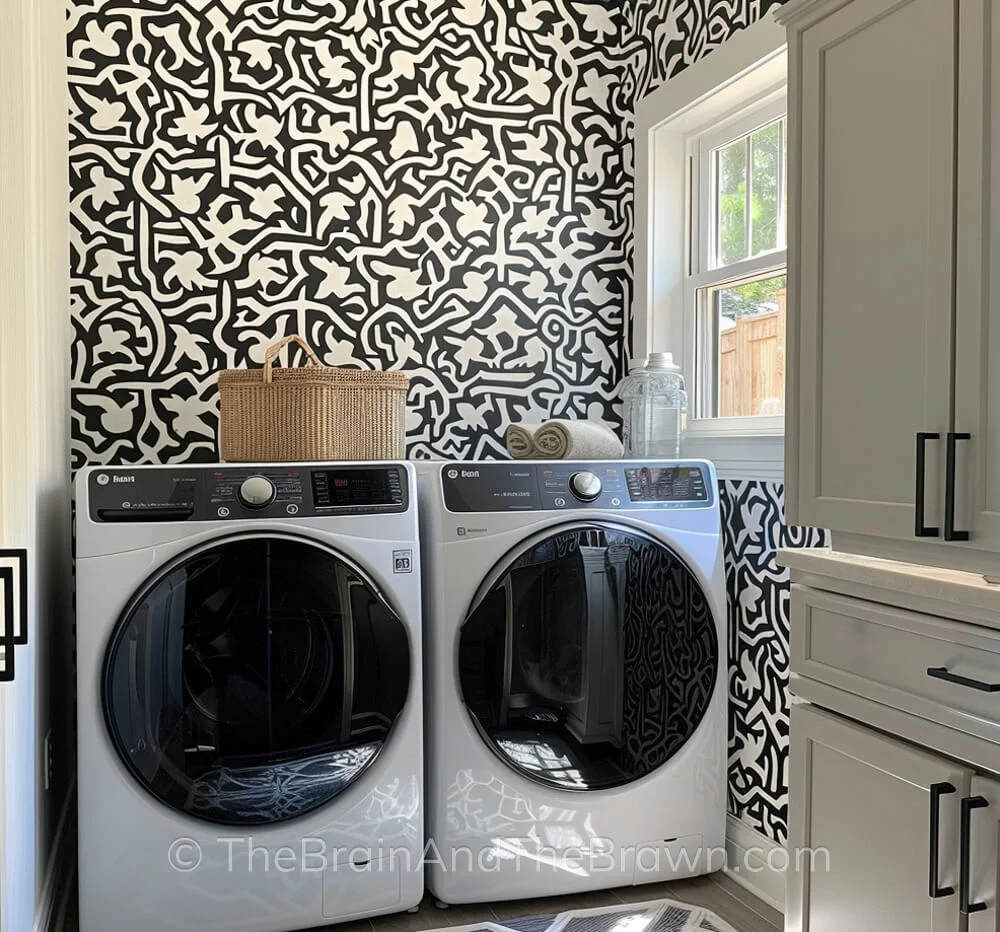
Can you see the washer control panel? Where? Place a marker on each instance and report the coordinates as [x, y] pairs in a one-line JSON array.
[[224, 492], [526, 486]]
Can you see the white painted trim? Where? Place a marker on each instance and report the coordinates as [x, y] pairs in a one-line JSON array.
[[760, 457], [50, 916], [749, 64], [752, 861], [798, 13], [35, 337]]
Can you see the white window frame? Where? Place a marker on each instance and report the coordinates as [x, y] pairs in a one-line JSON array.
[[749, 69], [700, 147]]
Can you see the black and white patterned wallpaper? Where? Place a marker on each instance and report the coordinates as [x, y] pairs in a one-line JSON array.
[[758, 593], [663, 37], [444, 186], [436, 185]]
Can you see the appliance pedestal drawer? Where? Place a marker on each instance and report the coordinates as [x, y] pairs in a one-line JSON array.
[[938, 669]]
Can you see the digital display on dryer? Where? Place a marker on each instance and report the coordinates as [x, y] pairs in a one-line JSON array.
[[666, 484], [356, 488]]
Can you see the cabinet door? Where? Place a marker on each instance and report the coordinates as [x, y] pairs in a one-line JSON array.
[[875, 107], [984, 854], [977, 354], [860, 831]]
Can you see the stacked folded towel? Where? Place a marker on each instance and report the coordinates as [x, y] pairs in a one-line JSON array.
[[559, 440]]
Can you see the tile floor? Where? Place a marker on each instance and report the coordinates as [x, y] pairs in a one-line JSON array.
[[717, 892]]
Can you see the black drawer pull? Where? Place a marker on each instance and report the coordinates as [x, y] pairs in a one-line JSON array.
[[965, 878], [943, 673], [920, 529], [937, 791], [949, 489]]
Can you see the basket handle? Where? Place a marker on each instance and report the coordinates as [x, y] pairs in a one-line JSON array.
[[272, 353]]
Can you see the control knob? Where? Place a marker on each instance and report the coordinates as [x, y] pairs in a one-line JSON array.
[[257, 492], [585, 486]]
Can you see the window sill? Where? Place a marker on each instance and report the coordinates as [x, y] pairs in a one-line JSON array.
[[759, 456]]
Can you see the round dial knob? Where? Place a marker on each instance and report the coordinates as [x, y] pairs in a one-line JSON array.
[[257, 492], [585, 486]]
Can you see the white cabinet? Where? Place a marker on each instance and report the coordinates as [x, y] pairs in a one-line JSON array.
[[893, 430], [873, 823], [872, 90], [977, 334], [981, 812]]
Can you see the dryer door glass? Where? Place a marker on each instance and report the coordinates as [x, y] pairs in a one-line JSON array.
[[589, 657], [254, 680]]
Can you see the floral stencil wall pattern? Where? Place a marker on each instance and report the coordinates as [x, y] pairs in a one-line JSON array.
[[435, 185]]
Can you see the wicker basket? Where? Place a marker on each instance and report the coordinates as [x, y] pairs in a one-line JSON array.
[[283, 414]]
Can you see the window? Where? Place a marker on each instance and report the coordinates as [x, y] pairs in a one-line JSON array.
[[711, 245], [735, 289]]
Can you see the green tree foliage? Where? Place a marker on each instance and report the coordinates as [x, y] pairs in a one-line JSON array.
[[765, 150]]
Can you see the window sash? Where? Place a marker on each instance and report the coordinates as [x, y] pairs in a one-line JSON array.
[[768, 109], [702, 353], [701, 349]]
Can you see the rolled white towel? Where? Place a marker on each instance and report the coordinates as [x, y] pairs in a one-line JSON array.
[[520, 441], [583, 440]]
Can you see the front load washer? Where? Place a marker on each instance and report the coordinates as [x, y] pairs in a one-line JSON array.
[[250, 699], [575, 637]]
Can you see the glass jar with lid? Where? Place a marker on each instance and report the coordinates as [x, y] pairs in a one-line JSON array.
[[655, 408]]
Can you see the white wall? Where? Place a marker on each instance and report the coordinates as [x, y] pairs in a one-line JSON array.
[[34, 457]]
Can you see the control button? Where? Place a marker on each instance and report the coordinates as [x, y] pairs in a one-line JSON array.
[[585, 486], [560, 503], [223, 512], [257, 492], [615, 502], [103, 479], [292, 509]]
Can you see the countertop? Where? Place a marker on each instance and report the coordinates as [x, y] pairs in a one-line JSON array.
[[963, 596]]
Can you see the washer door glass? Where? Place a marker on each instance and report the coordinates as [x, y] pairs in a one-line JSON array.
[[254, 680], [591, 659]]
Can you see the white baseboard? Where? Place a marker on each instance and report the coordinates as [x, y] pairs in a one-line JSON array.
[[755, 862], [50, 914]]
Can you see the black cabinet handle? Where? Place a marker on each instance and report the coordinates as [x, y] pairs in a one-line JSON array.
[[964, 875], [937, 791], [920, 529], [943, 673], [949, 489]]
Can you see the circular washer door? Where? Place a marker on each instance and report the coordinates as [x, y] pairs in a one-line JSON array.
[[254, 680], [589, 657]]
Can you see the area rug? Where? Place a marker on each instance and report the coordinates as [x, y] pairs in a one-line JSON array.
[[651, 916]]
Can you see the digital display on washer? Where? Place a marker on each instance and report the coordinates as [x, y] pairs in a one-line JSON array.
[[356, 488], [666, 484]]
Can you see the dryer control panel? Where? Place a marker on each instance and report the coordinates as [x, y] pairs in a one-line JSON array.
[[549, 486], [186, 493]]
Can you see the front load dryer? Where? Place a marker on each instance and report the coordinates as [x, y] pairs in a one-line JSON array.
[[575, 637], [250, 699]]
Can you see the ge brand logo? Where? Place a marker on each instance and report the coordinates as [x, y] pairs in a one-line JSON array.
[[103, 479], [452, 473]]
